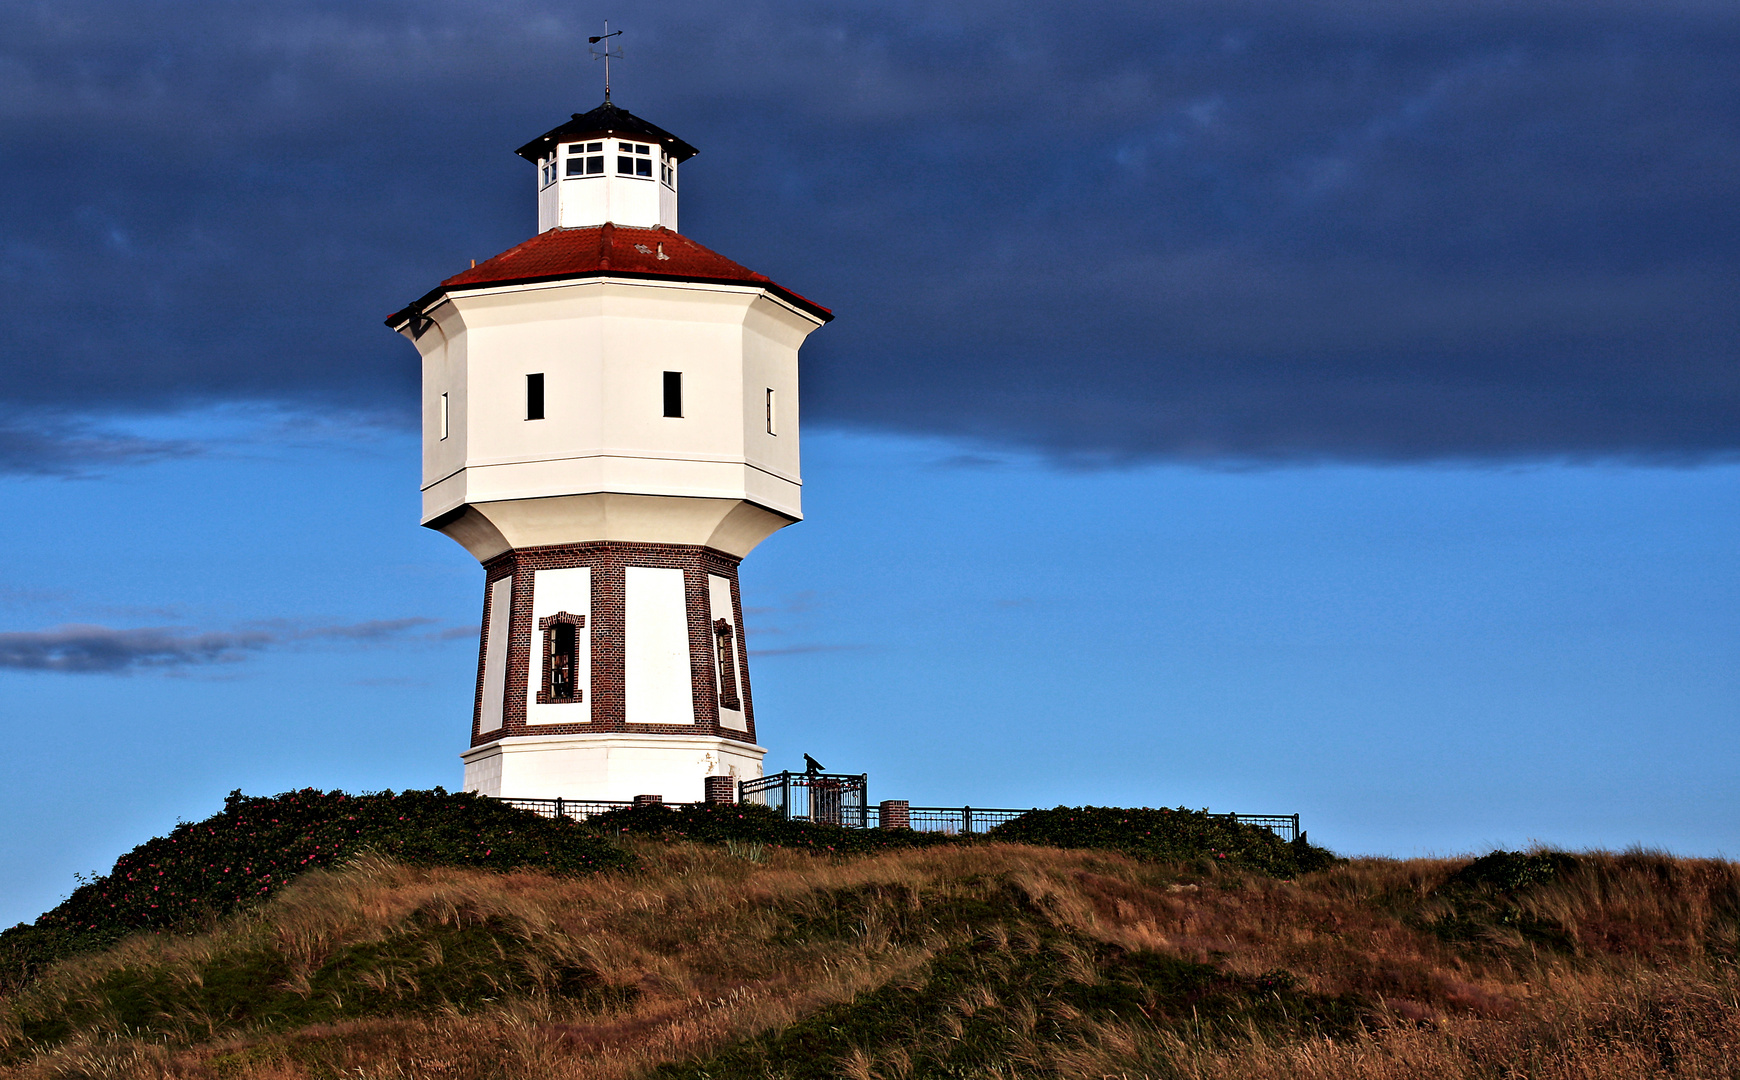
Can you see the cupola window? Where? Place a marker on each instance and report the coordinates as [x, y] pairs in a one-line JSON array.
[[634, 159], [586, 159]]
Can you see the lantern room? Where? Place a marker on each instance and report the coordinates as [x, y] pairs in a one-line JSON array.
[[607, 165]]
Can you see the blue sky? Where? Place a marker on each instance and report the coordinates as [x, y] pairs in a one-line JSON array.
[[1317, 407], [1416, 659]]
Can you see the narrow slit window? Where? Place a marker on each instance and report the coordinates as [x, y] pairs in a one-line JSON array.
[[673, 393], [770, 420], [535, 396], [723, 633], [443, 416]]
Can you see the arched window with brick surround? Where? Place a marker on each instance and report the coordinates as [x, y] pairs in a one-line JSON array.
[[561, 658]]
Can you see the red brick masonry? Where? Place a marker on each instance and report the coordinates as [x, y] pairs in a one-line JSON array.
[[609, 561]]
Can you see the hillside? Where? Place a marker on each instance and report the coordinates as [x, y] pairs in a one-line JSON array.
[[705, 958]]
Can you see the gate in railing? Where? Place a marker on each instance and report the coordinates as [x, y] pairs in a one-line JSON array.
[[822, 798]]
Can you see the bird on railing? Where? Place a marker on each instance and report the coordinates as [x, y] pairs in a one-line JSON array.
[[812, 766]]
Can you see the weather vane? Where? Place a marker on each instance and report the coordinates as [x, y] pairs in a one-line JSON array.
[[605, 53]]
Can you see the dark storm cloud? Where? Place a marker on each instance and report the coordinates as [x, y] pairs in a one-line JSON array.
[[1222, 231], [65, 446], [85, 649]]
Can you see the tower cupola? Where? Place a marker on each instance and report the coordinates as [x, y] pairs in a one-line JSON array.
[[607, 165]]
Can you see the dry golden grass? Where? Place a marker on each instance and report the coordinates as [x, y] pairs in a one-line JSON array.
[[700, 950]]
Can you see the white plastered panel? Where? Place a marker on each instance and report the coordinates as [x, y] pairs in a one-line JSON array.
[[719, 602], [567, 589], [495, 649], [657, 682]]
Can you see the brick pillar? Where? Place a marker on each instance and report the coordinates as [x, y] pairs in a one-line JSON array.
[[721, 789], [648, 800], [896, 814]]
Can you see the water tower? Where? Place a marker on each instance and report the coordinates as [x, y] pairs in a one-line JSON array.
[[610, 424]]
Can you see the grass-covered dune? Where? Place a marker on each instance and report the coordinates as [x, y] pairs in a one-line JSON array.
[[730, 944]]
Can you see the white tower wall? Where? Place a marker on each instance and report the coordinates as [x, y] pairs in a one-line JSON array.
[[603, 348]]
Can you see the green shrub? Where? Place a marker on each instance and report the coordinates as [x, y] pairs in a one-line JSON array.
[[1480, 901], [207, 869], [1510, 871], [1172, 835]]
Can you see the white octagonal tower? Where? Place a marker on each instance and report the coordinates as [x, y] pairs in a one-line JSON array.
[[610, 424]]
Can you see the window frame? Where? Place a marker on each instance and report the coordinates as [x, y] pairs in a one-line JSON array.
[[725, 664], [547, 627], [535, 400], [673, 395]]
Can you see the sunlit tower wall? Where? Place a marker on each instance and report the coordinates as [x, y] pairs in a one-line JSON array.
[[610, 424]]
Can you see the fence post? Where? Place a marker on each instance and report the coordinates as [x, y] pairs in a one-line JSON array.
[[1295, 826], [895, 814], [559, 812], [863, 800], [966, 820]]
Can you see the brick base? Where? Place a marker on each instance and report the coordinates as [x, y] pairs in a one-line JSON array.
[[605, 632]]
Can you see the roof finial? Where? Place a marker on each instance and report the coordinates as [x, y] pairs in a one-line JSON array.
[[606, 53]]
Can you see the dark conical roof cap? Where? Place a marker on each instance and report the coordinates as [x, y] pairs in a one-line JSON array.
[[607, 119]]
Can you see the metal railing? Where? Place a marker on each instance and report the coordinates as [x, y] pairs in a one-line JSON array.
[[1286, 826], [840, 799], [960, 820], [578, 809], [816, 797]]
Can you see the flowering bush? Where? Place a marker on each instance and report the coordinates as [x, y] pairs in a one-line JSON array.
[[1166, 834], [207, 869]]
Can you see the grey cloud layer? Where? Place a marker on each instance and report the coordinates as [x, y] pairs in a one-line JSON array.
[[86, 649], [1255, 231]]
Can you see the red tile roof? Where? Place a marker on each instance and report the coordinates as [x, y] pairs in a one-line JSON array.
[[607, 251]]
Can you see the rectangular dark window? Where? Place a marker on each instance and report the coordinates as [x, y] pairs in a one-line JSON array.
[[643, 167], [535, 396], [625, 166], [594, 166], [562, 662], [673, 393], [576, 166]]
